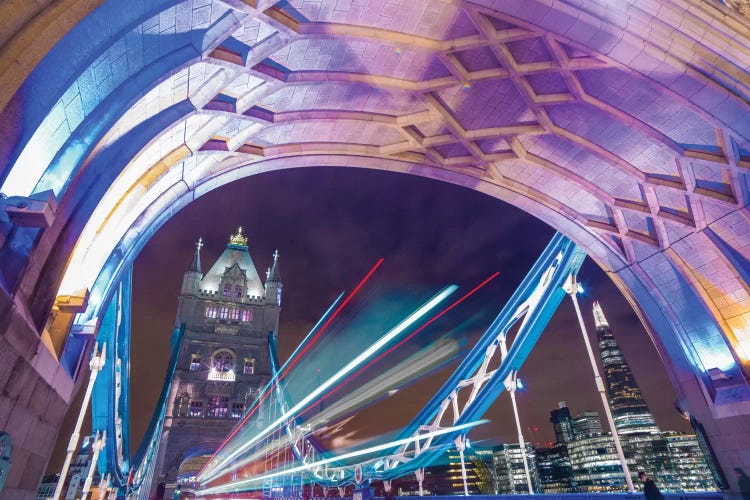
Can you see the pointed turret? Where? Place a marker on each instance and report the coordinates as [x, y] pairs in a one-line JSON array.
[[192, 277], [196, 264], [233, 275], [273, 281], [599, 318]]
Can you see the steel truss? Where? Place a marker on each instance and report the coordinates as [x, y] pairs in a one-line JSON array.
[[474, 386]]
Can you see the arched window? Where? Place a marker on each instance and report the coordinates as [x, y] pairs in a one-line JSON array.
[[222, 366], [195, 362], [249, 368], [222, 360]]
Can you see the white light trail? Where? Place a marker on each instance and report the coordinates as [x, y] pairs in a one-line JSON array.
[[314, 329], [219, 468], [235, 486], [394, 377]]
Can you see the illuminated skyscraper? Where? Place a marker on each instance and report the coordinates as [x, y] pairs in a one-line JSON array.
[[562, 423], [629, 409], [587, 424], [511, 475]]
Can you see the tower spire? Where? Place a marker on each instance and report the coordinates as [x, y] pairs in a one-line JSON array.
[[599, 318], [274, 274], [192, 277], [196, 264], [273, 281]]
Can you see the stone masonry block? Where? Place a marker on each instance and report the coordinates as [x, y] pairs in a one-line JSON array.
[[33, 471], [6, 407], [19, 459], [8, 358], [20, 335], [20, 423], [21, 382], [45, 364], [56, 409], [40, 397], [40, 438]]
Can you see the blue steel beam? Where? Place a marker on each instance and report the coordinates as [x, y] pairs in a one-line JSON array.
[[148, 452], [110, 407], [110, 401], [534, 302]]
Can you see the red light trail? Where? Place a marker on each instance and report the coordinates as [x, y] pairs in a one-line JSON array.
[[406, 339], [294, 362]]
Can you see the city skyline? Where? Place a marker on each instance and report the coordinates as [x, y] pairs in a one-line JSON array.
[[583, 457]]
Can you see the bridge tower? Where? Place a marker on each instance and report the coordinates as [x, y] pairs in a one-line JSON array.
[[228, 316]]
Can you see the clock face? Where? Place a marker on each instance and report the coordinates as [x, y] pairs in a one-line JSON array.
[[223, 361]]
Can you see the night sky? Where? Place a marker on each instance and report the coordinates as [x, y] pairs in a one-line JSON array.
[[330, 226]]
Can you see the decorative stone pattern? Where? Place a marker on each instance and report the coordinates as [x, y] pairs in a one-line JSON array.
[[622, 124]]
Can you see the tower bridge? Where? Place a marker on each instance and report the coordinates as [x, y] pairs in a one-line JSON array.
[[624, 125]]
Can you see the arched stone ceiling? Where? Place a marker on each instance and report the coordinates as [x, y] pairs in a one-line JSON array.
[[623, 124]]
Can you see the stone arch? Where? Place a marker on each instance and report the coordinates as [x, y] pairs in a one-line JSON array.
[[624, 126]]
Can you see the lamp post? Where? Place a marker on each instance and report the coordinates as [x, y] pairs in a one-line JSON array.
[[96, 364], [511, 385], [572, 288]]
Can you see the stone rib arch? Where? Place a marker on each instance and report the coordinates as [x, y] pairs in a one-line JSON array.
[[662, 205]]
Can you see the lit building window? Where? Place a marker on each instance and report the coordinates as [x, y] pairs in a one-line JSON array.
[[196, 408], [222, 366], [235, 314], [249, 366], [218, 407], [227, 290], [195, 362], [211, 311], [247, 315], [224, 312], [223, 360], [238, 291], [237, 410]]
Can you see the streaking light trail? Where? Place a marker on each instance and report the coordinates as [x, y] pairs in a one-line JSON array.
[[396, 376], [217, 469], [236, 485], [411, 335], [294, 359]]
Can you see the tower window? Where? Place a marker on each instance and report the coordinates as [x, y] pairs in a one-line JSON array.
[[227, 290], [224, 312], [218, 406], [222, 366], [249, 366], [235, 313], [237, 410], [247, 315], [196, 408], [223, 360], [195, 362], [238, 291]]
